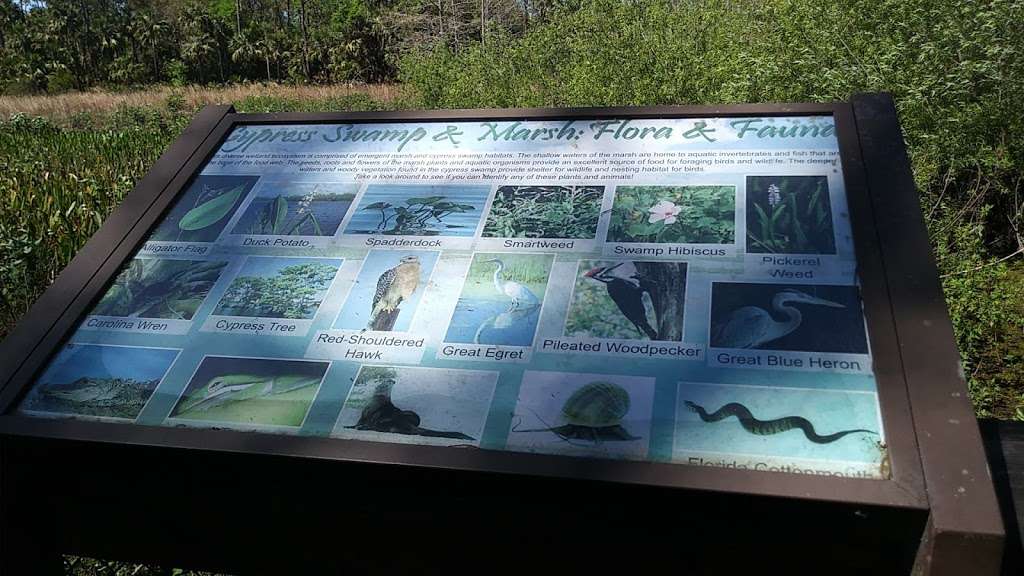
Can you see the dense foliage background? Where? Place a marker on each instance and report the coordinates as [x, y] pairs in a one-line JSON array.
[[955, 67]]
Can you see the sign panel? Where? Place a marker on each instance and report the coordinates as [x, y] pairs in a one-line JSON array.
[[673, 290]]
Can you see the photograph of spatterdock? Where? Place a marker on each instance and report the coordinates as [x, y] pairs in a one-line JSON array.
[[674, 214], [501, 299], [387, 290], [791, 317], [273, 287], [625, 299], [96, 380], [789, 215], [544, 212], [261, 391], [777, 421], [157, 288], [204, 209], [410, 405], [419, 210], [598, 415], [296, 209]]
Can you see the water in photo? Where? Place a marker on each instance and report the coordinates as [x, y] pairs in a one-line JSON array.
[[387, 290], [544, 212], [625, 299], [599, 415], [272, 287], [204, 209], [95, 380], [419, 210], [800, 318], [789, 215], [257, 391], [297, 209], [417, 405], [157, 288], [674, 214], [501, 299]]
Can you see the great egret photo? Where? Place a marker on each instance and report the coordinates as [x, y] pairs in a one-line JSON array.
[[820, 318]]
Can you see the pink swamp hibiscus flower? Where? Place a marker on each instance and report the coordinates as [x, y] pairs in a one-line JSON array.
[[664, 211]]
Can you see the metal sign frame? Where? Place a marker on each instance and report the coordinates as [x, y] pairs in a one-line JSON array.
[[936, 456]]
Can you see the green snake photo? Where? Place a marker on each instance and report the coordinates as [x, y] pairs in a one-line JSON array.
[[768, 427]]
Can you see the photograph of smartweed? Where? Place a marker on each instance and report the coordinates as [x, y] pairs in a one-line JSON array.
[[273, 287], [674, 214], [419, 210], [501, 299], [158, 288], [204, 209], [809, 318], [624, 299], [410, 405], [789, 215], [603, 415], [94, 380], [544, 212], [271, 392], [387, 290], [296, 209]]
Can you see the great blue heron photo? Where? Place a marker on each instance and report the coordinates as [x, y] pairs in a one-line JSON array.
[[787, 317]]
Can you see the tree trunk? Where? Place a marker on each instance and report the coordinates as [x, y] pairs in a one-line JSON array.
[[305, 39], [666, 284], [238, 16]]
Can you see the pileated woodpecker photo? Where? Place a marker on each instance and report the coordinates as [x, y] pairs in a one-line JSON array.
[[626, 288]]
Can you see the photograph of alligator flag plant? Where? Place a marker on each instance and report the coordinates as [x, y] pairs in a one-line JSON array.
[[501, 299], [296, 209], [789, 215], [99, 380], [259, 391], [158, 288], [412, 405], [799, 318], [202, 212], [419, 210], [674, 214], [544, 212], [271, 287], [631, 300]]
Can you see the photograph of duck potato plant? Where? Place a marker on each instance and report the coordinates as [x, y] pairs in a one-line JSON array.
[[158, 288], [262, 391], [789, 215], [544, 212], [419, 210], [96, 380], [202, 212], [270, 287], [629, 300], [297, 209], [674, 214]]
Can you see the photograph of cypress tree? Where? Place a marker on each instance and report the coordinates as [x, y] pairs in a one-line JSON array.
[[91, 92]]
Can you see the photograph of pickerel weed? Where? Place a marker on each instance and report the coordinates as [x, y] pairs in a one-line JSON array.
[[296, 209], [99, 381], [412, 405], [625, 299], [419, 210], [789, 215], [501, 299], [544, 212], [799, 318], [258, 391], [278, 287], [578, 414], [204, 209], [674, 214], [160, 288]]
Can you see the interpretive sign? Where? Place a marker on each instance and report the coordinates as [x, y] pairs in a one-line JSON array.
[[690, 298]]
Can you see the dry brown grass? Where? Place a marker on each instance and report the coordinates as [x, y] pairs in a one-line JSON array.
[[61, 107]]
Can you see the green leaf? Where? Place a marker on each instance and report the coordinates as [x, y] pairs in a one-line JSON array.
[[212, 211], [280, 213]]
